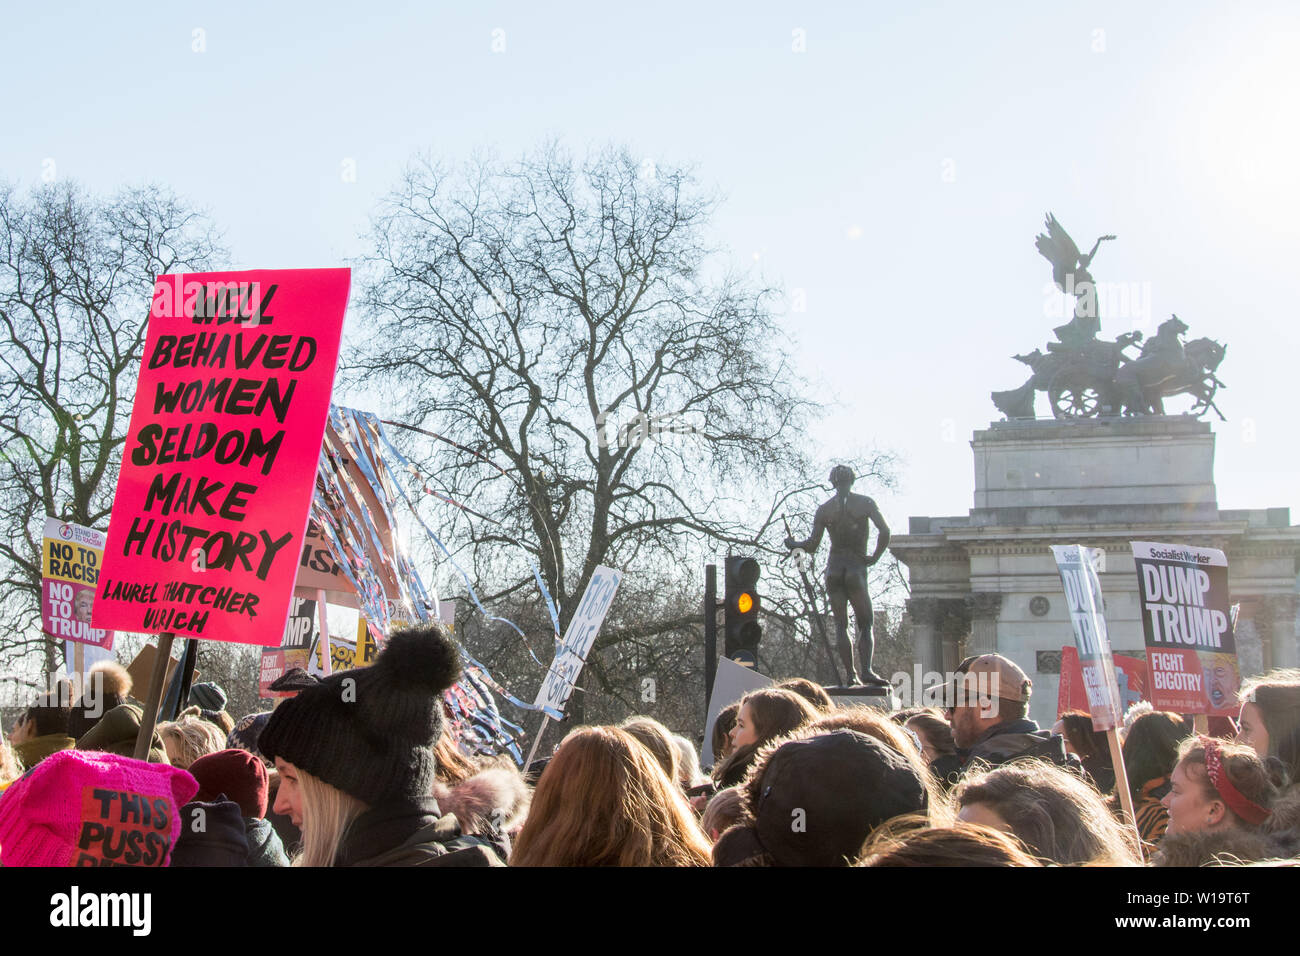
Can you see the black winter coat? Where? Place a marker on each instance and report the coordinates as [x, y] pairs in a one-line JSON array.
[[417, 833]]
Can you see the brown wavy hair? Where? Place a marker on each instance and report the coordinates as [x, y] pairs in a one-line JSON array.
[[962, 844], [1059, 817], [1277, 695], [815, 694], [453, 766], [1259, 780], [722, 731], [776, 713], [603, 800]]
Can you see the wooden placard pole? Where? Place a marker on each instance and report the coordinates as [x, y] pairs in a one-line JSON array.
[[79, 665], [546, 719], [1121, 781], [324, 642], [156, 680]]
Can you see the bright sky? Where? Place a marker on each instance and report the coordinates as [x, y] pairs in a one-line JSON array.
[[891, 176]]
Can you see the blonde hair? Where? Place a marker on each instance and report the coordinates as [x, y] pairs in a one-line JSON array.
[[688, 763], [193, 738], [327, 812], [657, 739]]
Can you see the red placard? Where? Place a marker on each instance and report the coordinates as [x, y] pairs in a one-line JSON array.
[[1072, 695], [220, 461]]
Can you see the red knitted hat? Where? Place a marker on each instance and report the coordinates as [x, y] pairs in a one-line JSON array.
[[237, 774], [86, 808]]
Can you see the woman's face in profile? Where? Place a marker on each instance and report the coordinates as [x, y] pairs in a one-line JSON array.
[[744, 732]]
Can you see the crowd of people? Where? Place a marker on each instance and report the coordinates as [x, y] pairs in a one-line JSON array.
[[361, 769]]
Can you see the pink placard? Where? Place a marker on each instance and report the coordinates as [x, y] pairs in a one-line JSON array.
[[220, 460]]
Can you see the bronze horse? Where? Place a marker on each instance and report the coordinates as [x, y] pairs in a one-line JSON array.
[[1195, 376]]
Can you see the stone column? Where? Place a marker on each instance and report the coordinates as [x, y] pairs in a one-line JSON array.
[[1275, 616], [1248, 637], [984, 608], [924, 615]]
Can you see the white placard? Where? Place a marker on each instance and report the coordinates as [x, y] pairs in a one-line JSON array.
[[578, 639]]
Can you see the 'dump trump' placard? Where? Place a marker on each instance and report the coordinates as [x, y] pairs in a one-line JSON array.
[[1187, 621]]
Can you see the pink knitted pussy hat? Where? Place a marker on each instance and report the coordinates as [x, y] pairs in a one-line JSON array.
[[86, 808]]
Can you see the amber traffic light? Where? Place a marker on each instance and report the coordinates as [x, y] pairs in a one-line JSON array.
[[741, 603]]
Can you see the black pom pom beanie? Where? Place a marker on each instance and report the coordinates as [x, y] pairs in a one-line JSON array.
[[370, 731]]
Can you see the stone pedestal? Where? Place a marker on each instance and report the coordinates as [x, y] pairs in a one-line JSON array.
[[986, 581]]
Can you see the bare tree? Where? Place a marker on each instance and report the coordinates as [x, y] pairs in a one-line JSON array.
[[610, 393], [654, 660], [76, 280]]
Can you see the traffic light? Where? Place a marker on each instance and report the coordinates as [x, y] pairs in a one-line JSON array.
[[741, 629]]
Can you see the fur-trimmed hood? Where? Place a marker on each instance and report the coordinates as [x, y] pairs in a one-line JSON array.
[[494, 798], [1215, 848], [1285, 819]]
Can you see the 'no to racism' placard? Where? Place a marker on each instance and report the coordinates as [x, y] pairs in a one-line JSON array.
[[220, 460], [70, 559], [1191, 650]]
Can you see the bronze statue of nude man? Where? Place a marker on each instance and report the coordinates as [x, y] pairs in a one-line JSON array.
[[846, 516]]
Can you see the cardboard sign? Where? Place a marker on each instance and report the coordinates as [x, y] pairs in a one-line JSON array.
[[70, 560], [1186, 619], [141, 669], [219, 464], [318, 571], [1130, 676], [1078, 568], [578, 639]]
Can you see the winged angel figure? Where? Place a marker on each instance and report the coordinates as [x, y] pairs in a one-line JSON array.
[[1070, 273]]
